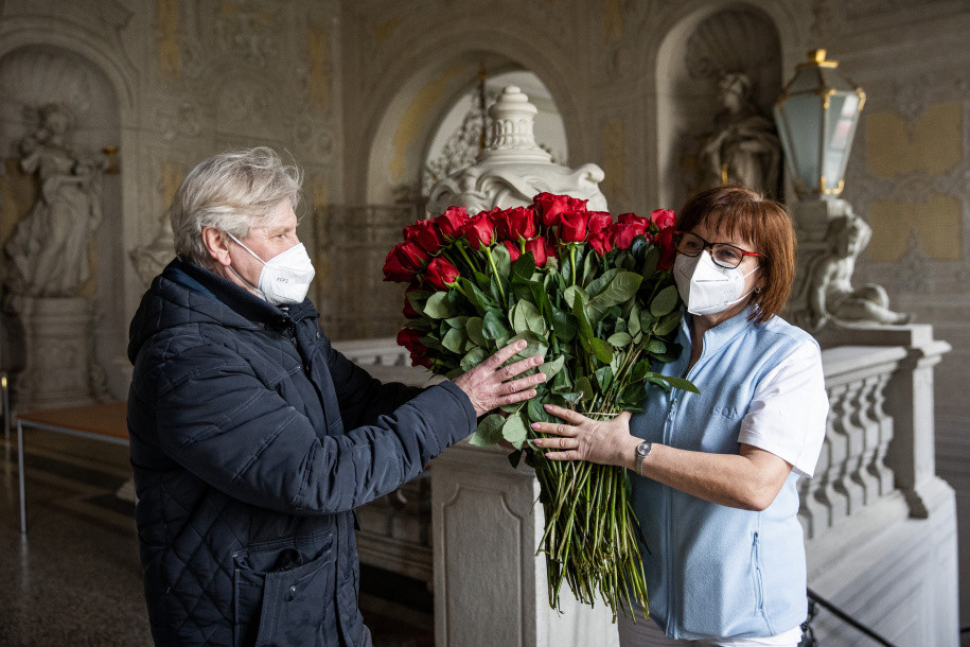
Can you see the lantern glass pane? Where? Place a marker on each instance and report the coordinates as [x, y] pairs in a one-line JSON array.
[[802, 121], [842, 117]]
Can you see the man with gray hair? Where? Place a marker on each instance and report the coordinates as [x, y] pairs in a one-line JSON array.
[[252, 439]]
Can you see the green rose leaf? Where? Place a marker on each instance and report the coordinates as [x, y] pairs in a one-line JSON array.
[[526, 317], [575, 293], [621, 289], [454, 341], [668, 323], [493, 327], [584, 387], [515, 458], [438, 306], [474, 329], [665, 302], [457, 322], [656, 347], [564, 324], [650, 262], [604, 377], [503, 262], [553, 367], [534, 346], [680, 383], [647, 320], [602, 282], [473, 358], [601, 350], [523, 268], [620, 339], [515, 430], [489, 431]]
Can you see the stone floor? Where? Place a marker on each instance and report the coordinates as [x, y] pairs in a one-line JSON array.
[[74, 579]]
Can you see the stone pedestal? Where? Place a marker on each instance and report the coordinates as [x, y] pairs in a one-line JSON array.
[[490, 586], [59, 368]]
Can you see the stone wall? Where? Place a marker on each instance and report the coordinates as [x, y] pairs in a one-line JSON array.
[[184, 80]]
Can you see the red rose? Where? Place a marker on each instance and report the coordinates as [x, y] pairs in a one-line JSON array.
[[522, 223], [601, 243], [500, 219], [622, 235], [440, 274], [451, 222], [514, 251], [541, 250], [663, 218], [425, 235], [641, 225], [420, 359], [409, 311], [573, 226], [665, 240], [480, 231], [550, 206], [410, 339], [403, 261], [598, 221]]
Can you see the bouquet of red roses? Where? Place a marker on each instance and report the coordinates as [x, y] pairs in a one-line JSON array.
[[596, 299]]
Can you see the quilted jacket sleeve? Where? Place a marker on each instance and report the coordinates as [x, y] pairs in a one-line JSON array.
[[362, 398], [216, 418]]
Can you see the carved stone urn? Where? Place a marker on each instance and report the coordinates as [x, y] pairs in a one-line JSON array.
[[513, 168]]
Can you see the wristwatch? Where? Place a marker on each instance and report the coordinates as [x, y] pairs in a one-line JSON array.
[[643, 450]]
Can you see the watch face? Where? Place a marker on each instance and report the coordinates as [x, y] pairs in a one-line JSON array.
[[643, 448]]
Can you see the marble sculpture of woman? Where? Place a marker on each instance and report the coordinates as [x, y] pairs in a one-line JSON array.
[[48, 251], [744, 148]]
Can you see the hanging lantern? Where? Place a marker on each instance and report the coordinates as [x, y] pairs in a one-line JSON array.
[[817, 114]]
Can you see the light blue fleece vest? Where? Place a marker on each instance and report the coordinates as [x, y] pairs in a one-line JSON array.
[[715, 571]]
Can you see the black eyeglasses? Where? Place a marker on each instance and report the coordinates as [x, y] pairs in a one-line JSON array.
[[723, 254]]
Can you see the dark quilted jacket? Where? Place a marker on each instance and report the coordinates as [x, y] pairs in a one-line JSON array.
[[252, 441]]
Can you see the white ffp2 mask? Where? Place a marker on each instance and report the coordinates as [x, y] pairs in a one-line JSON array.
[[706, 287], [286, 277]]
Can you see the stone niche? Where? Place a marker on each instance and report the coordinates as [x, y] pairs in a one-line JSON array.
[[93, 323], [695, 57]]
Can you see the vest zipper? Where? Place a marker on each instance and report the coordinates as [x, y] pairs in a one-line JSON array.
[[673, 624]]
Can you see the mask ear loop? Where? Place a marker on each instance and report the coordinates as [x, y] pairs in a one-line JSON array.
[[262, 295]]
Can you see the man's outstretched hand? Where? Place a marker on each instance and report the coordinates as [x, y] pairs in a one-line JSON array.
[[490, 385]]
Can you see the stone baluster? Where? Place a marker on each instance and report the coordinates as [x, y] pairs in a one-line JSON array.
[[837, 446], [853, 438], [877, 466], [815, 512], [865, 419]]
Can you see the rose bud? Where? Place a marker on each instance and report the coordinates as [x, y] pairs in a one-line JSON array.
[[521, 222], [665, 241], [480, 231], [440, 274], [663, 218], [641, 225], [409, 311], [550, 207], [601, 243], [410, 338], [598, 221], [541, 250], [573, 226], [420, 359], [403, 261], [514, 251], [623, 235], [451, 222], [425, 235]]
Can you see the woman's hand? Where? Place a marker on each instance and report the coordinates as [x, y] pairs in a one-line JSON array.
[[597, 441], [487, 386]]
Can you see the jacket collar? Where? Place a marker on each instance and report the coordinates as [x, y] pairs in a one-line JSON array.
[[201, 281], [720, 335]]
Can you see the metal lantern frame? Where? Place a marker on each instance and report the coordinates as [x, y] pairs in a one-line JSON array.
[[817, 115]]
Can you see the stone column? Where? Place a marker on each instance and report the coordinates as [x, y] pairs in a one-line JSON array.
[[490, 586], [59, 369]]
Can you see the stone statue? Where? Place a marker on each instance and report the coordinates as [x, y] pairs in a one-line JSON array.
[[744, 148], [830, 296], [48, 251]]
